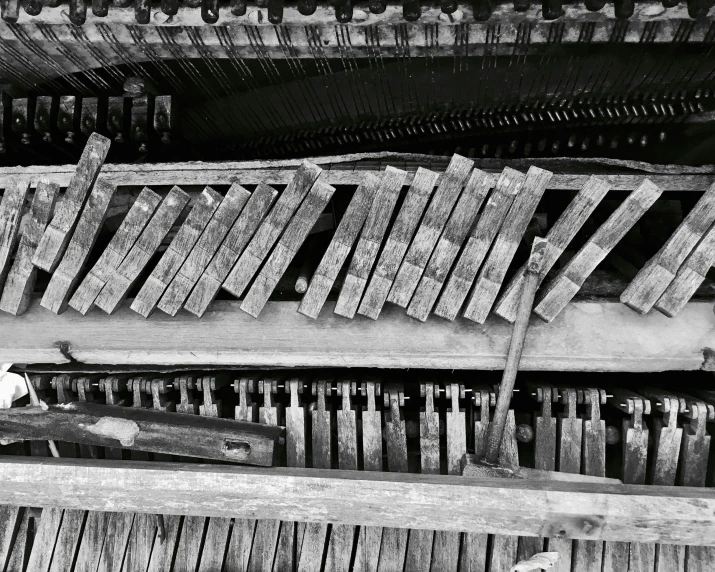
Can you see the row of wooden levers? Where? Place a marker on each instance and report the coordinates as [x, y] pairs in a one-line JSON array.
[[450, 246], [649, 435]]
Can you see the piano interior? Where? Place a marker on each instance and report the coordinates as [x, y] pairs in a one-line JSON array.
[[269, 269]]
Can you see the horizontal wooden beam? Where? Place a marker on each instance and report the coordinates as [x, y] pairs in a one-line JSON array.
[[678, 515], [586, 336]]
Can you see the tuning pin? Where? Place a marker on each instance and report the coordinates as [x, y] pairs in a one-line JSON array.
[[275, 11], [585, 144], [343, 11], [614, 142], [662, 137], [448, 6], [527, 149], [122, 3], [595, 5], [193, 3], [600, 140], [623, 8], [171, 7], [512, 146], [542, 145], [498, 153], [551, 9], [698, 9], [524, 433], [377, 6], [613, 435], [210, 11], [482, 10], [10, 11], [78, 12], [643, 140], [33, 7], [411, 10], [485, 150], [571, 142], [631, 139], [100, 8], [238, 7], [521, 5], [555, 146], [142, 11]]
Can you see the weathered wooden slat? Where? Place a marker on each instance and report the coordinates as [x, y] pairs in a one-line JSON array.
[[119, 246], [659, 272], [397, 243], [118, 284], [513, 506], [230, 250], [339, 248], [204, 250], [150, 293], [271, 228], [57, 234], [563, 287], [10, 519], [429, 231], [21, 276], [370, 242], [68, 537], [92, 541], [459, 224], [287, 247], [115, 543], [496, 265], [490, 221], [77, 251], [558, 238], [45, 539], [11, 207]]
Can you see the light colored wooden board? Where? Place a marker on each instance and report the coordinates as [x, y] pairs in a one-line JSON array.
[[10, 519], [45, 538], [11, 208], [581, 339]]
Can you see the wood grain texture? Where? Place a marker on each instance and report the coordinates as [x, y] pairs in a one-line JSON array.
[[118, 284], [11, 208], [67, 272], [496, 265], [45, 539], [659, 272], [458, 226], [119, 246], [475, 251], [563, 287], [285, 250], [370, 242], [10, 520], [429, 231], [271, 228], [54, 240], [21, 277], [559, 237], [397, 243], [230, 250], [204, 250], [689, 276], [151, 292], [339, 248]]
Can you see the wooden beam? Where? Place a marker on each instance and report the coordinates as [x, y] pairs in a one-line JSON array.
[[643, 513], [581, 338]]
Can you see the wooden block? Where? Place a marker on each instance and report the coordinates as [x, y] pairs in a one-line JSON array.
[[20, 281], [370, 241], [494, 270], [339, 248], [45, 536], [271, 228], [204, 250], [564, 286], [150, 293], [118, 284], [228, 253], [475, 251], [11, 207], [286, 249], [68, 271], [397, 243], [117, 249], [429, 231], [459, 224], [651, 282], [54, 241], [689, 277], [559, 237]]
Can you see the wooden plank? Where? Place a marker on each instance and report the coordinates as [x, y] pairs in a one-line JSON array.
[[119, 246], [204, 250], [163, 553], [651, 282], [475, 251], [496, 265], [45, 539], [230, 250], [92, 541], [10, 520], [57, 234], [564, 286], [271, 228], [190, 542], [459, 224], [67, 543], [19, 556], [150, 293], [115, 544], [67, 272], [689, 277], [239, 547], [291, 240], [429, 231], [11, 208], [370, 242], [339, 248], [143, 430], [558, 238], [397, 243], [583, 339], [21, 277], [215, 544], [121, 280]]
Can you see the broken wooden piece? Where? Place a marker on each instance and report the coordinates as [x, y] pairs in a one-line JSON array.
[[143, 430], [11, 207], [473, 467]]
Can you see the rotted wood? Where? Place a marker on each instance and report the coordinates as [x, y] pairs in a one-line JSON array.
[[143, 430]]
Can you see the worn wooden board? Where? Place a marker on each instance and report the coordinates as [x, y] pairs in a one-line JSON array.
[[11, 208]]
